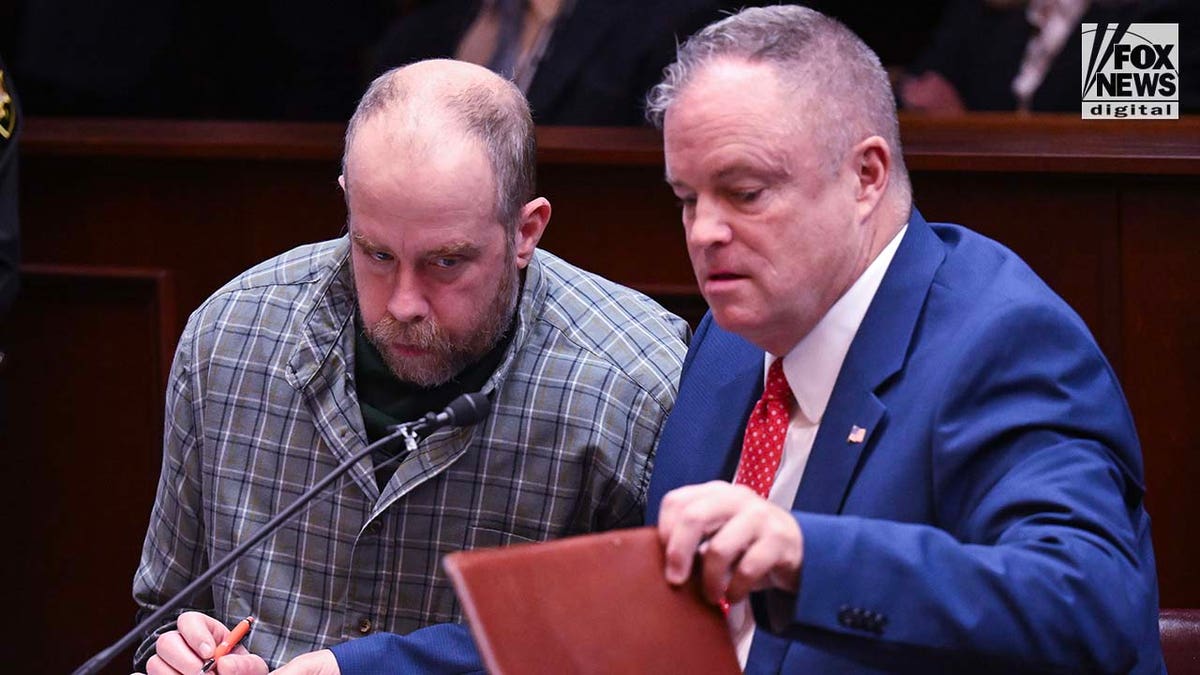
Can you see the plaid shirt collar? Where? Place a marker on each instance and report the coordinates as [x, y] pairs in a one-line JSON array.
[[322, 366]]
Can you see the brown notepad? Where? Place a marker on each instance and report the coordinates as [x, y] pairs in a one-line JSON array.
[[588, 604]]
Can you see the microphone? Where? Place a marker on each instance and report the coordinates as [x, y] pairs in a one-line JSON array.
[[463, 411]]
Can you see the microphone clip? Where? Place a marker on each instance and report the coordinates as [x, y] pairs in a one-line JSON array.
[[410, 437]]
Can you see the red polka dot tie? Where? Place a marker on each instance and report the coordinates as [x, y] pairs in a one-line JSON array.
[[762, 446]]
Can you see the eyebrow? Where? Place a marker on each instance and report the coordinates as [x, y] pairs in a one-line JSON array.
[[736, 171], [739, 170], [455, 248], [363, 240]]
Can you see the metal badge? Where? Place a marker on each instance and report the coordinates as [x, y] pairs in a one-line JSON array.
[[8, 111]]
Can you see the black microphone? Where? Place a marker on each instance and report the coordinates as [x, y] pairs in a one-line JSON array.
[[463, 411]]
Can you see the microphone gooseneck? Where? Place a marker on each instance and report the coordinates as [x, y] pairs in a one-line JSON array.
[[463, 411]]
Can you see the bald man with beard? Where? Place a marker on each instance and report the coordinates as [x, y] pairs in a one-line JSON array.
[[437, 289]]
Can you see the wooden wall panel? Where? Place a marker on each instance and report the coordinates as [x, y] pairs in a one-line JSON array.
[[88, 354], [1065, 227], [207, 218], [1161, 374]]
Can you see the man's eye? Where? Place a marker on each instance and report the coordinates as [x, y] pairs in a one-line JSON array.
[[446, 263], [380, 256], [685, 202], [747, 196]]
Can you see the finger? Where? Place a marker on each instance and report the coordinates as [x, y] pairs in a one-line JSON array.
[[201, 632], [672, 503], [751, 572], [785, 574], [727, 547], [771, 559], [158, 666], [676, 549], [694, 513], [175, 654], [242, 663]]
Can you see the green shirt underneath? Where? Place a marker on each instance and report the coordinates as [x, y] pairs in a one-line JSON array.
[[386, 401]]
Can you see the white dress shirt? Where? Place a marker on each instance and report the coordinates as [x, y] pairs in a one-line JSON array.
[[811, 368]]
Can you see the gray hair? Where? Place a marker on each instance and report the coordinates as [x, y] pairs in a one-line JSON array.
[[494, 112], [846, 84]]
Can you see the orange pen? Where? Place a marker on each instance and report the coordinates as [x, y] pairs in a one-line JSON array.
[[233, 639]]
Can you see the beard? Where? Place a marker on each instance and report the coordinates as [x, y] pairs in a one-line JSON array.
[[445, 355]]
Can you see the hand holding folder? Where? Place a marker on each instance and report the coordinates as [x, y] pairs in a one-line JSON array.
[[588, 604]]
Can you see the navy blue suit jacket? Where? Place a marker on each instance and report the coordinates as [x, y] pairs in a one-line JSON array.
[[992, 517]]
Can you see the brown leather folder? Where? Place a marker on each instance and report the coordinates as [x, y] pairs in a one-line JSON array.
[[588, 604]]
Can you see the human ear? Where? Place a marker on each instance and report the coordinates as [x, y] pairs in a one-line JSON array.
[[872, 166], [531, 223]]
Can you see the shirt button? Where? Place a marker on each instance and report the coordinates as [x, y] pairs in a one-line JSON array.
[[364, 626]]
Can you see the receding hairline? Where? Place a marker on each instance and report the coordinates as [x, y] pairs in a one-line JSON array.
[[421, 130], [458, 99], [423, 95], [838, 84]]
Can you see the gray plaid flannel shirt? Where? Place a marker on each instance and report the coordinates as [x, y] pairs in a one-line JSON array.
[[262, 404]]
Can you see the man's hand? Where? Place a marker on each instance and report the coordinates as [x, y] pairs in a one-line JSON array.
[[313, 663], [184, 650], [745, 542]]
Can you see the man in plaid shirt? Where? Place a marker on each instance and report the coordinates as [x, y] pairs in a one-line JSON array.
[[437, 289]]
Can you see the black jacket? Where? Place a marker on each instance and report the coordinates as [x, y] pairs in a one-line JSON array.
[[597, 67]]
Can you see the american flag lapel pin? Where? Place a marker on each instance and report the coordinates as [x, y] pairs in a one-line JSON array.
[[857, 434]]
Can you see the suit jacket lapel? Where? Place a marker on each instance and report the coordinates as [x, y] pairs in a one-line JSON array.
[[701, 441], [877, 352]]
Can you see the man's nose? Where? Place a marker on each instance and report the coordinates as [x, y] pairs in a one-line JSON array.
[[408, 303], [709, 224]]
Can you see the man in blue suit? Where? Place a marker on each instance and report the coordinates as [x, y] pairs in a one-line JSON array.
[[944, 473]]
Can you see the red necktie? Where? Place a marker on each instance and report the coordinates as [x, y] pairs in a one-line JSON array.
[[762, 446]]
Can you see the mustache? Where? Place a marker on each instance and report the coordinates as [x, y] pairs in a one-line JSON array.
[[422, 334]]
